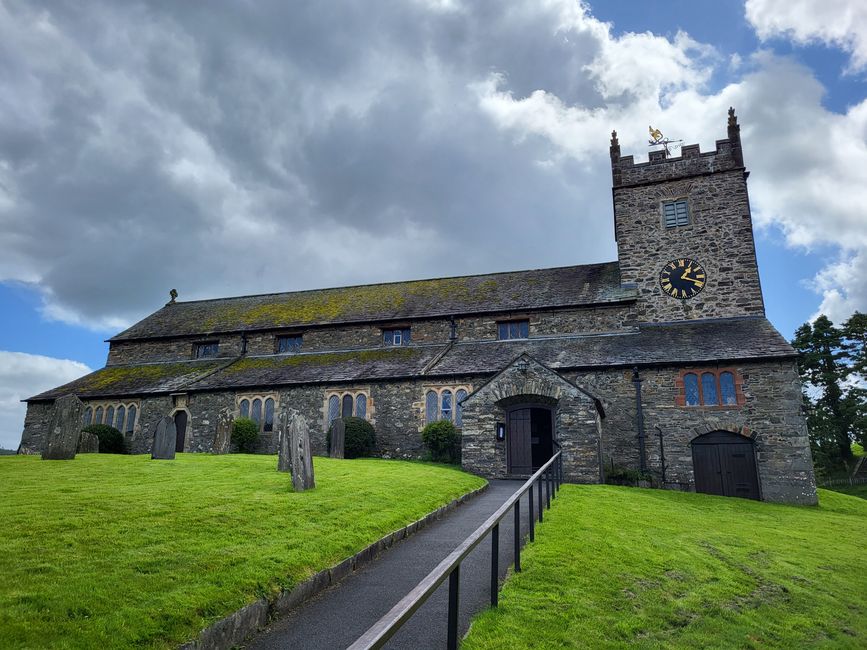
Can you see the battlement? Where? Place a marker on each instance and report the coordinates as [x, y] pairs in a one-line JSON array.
[[727, 156]]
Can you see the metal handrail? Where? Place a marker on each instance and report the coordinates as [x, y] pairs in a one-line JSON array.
[[381, 631]]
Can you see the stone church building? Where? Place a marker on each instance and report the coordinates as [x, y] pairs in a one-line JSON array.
[[661, 361]]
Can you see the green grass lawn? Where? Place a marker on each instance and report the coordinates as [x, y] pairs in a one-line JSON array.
[[115, 551], [614, 567]]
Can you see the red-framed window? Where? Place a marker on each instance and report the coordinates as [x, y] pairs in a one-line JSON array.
[[716, 388]]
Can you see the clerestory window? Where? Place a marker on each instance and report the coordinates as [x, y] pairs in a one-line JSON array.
[[207, 349], [515, 329], [396, 337], [289, 343]]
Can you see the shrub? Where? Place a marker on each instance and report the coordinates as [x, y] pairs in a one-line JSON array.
[[359, 440], [245, 434], [443, 440], [111, 441], [626, 476]]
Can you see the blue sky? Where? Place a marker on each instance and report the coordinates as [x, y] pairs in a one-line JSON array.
[[221, 152]]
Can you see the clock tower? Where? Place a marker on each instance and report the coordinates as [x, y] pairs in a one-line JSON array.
[[684, 231]]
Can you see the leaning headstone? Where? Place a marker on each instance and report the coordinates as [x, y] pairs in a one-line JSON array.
[[284, 458], [88, 443], [62, 439], [299, 450], [165, 440], [338, 438], [223, 437]]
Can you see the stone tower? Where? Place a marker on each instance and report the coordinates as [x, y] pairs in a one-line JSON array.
[[691, 207]]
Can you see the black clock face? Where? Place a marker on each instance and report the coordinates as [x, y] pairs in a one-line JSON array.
[[682, 278]]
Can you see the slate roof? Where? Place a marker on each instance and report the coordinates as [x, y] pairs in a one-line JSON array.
[[496, 292], [689, 342]]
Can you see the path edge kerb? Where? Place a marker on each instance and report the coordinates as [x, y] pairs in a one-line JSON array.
[[237, 626]]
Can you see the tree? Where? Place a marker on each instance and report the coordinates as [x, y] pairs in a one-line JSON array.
[[831, 365]]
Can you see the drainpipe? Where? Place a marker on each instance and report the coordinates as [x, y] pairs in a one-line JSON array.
[[661, 453], [642, 455], [243, 344], [453, 329]]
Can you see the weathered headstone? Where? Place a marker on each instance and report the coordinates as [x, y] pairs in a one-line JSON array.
[[165, 440], [88, 443], [62, 439], [338, 438], [223, 437], [284, 458], [299, 450]]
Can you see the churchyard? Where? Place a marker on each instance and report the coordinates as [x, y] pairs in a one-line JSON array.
[[616, 567], [118, 551]]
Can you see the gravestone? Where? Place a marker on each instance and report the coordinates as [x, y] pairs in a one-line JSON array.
[[223, 437], [165, 440], [299, 451], [284, 458], [338, 438], [88, 443], [62, 439]]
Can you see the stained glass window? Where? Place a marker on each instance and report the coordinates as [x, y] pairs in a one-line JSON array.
[[516, 329], [88, 416], [118, 419], [109, 416], [727, 389], [361, 406], [245, 408], [130, 419], [708, 389], [205, 350], [431, 406], [97, 417], [288, 344], [690, 385], [256, 411], [269, 414], [446, 405], [333, 408], [459, 410], [347, 406]]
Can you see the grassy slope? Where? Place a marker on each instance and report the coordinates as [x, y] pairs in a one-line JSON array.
[[854, 490], [613, 567], [113, 551]]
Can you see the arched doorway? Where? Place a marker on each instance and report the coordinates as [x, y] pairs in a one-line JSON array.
[[724, 463], [181, 428], [529, 438]]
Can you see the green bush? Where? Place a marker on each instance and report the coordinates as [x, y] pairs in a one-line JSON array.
[[443, 440], [626, 476], [360, 438], [245, 434], [111, 441]]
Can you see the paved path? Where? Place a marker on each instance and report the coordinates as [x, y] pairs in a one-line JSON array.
[[338, 616]]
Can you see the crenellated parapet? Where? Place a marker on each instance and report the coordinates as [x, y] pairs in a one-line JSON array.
[[728, 156]]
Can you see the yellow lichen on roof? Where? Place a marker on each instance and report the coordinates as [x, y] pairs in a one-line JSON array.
[[324, 359], [113, 375]]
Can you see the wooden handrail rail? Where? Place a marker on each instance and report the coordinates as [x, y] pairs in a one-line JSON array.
[[381, 631]]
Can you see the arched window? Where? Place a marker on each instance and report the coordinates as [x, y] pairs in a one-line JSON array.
[[727, 389], [459, 410], [690, 385], [88, 416], [245, 408], [130, 419], [256, 412], [118, 419], [109, 416], [446, 405], [333, 408], [708, 389], [97, 417], [347, 406], [269, 414], [431, 406], [361, 406]]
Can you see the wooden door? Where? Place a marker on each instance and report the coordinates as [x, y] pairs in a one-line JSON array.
[[724, 463], [520, 453], [181, 428]]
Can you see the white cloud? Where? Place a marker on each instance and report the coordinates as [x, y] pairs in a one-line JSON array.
[[22, 376], [840, 23]]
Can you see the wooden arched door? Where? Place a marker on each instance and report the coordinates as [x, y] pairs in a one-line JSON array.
[[530, 436], [181, 428], [724, 463]]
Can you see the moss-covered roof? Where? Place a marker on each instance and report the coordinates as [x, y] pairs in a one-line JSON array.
[[521, 290]]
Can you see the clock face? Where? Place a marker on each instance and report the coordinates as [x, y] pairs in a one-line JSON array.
[[682, 278]]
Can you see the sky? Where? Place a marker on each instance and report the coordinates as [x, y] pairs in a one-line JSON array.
[[248, 147]]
